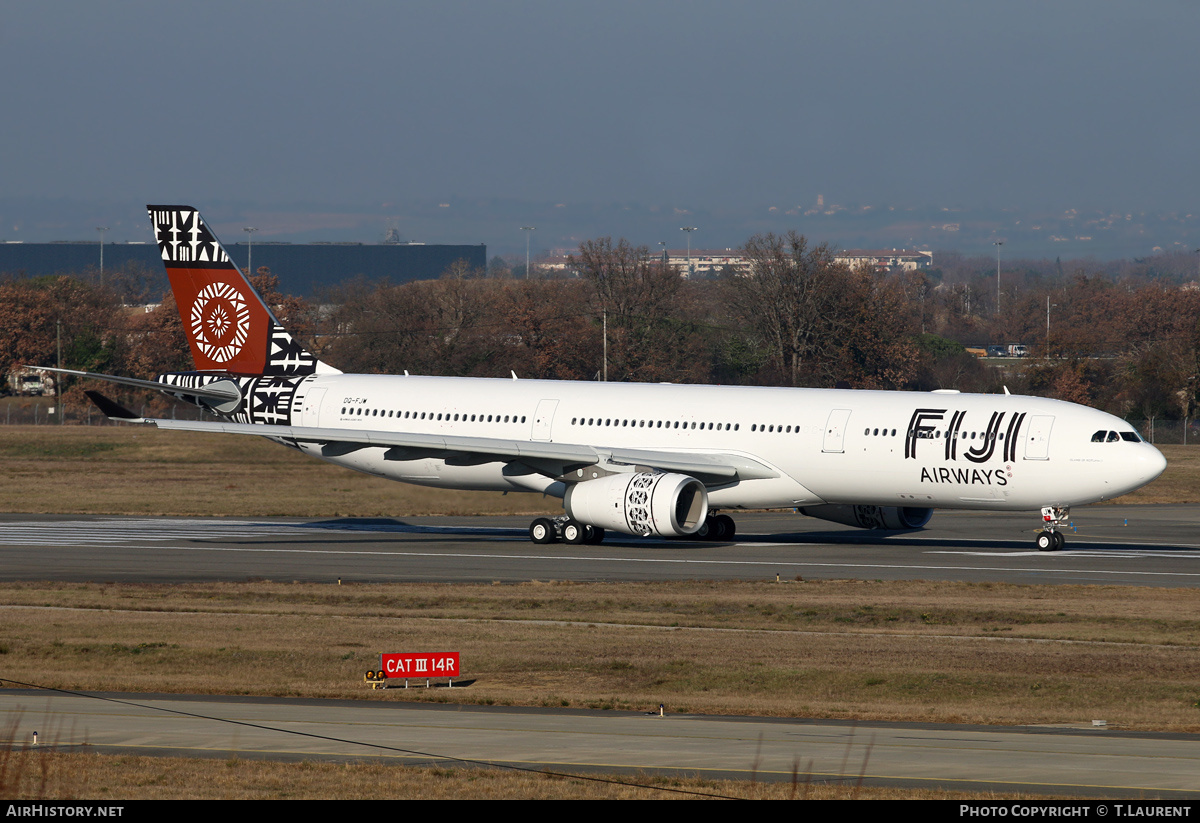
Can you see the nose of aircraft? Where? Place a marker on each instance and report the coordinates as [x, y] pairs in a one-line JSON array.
[[1144, 465], [1152, 463]]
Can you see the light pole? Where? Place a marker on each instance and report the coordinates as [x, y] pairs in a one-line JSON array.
[[102, 230], [665, 258], [689, 230], [249, 230], [998, 244], [528, 233], [1048, 307]]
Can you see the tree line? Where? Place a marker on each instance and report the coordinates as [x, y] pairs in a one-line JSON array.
[[1123, 337]]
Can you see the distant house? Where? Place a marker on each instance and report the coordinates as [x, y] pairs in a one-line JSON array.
[[707, 262], [886, 259], [704, 262]]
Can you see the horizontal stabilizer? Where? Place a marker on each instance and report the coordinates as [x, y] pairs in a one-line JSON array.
[[111, 408], [224, 391]]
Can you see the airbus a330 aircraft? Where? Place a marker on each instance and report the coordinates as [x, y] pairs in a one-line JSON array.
[[641, 459]]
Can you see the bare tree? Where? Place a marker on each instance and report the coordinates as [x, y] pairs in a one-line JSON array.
[[791, 298]]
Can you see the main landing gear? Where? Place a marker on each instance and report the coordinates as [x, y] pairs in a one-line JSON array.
[[553, 529], [717, 527], [567, 530], [1050, 539]]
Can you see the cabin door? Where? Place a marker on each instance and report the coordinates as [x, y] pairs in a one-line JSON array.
[[542, 419], [1037, 442], [312, 407], [835, 430]]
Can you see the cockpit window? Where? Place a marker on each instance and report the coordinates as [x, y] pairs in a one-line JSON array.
[[1114, 437]]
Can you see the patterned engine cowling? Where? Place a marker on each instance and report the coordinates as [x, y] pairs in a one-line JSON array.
[[642, 503], [872, 517]]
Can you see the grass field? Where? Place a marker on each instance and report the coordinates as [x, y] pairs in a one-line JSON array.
[[48, 775], [140, 470], [939, 652]]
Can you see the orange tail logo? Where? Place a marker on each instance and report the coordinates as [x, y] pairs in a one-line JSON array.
[[228, 327]]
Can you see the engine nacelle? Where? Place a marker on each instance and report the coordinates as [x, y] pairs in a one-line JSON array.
[[872, 517], [642, 503]]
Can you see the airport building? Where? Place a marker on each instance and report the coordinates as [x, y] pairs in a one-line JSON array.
[[886, 259], [304, 269]]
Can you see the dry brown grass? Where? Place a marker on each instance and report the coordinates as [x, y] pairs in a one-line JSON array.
[[139, 470], [947, 652], [118, 778]]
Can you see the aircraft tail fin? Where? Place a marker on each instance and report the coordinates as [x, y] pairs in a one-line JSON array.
[[228, 326]]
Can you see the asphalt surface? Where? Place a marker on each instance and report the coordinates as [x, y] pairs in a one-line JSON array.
[[1123, 545], [1093, 762]]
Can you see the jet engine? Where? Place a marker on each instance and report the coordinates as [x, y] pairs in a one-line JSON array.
[[642, 503], [872, 517]]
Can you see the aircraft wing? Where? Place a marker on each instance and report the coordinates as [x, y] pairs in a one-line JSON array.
[[551, 459]]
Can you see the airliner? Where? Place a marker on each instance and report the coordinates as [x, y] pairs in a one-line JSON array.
[[649, 460]]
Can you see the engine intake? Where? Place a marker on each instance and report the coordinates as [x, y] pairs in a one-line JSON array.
[[872, 517], [642, 503]]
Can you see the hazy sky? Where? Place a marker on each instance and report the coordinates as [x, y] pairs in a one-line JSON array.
[[1090, 104]]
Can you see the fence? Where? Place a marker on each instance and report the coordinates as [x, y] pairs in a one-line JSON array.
[[43, 411], [1168, 432]]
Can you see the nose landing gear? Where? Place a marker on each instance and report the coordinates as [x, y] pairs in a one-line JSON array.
[[1050, 539]]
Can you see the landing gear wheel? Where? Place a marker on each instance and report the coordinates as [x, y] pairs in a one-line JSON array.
[[541, 531], [1051, 541], [574, 532], [593, 535], [725, 526], [716, 527], [1055, 518]]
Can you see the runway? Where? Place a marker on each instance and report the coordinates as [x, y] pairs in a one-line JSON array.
[[1072, 761], [1119, 545]]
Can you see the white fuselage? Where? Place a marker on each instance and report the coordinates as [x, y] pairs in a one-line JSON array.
[[936, 450]]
